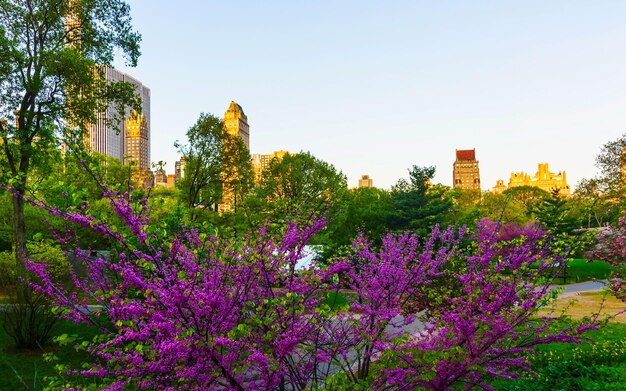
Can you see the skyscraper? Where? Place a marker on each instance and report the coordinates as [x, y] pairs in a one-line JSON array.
[[130, 141], [465, 171], [236, 123]]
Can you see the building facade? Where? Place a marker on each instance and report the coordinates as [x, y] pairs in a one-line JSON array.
[[179, 169], [366, 181], [543, 179], [236, 123], [465, 171], [130, 140], [261, 162], [499, 188]]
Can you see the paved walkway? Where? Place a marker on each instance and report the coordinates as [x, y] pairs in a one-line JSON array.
[[575, 289]]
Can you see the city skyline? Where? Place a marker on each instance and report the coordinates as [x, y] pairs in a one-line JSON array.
[[374, 89]]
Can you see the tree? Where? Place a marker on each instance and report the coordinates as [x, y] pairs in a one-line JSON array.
[[553, 213], [363, 211], [296, 185], [611, 161], [611, 249], [51, 76], [417, 205], [214, 160], [195, 311], [502, 208], [529, 196]]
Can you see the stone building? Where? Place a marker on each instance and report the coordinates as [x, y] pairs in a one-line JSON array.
[[500, 187], [235, 123], [366, 181], [465, 172], [543, 179]]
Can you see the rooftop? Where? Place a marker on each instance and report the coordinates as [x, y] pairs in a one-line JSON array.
[[466, 154]]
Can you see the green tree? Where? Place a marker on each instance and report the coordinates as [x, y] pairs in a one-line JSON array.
[[609, 188], [503, 208], [51, 52], [214, 160], [590, 207], [610, 161], [554, 213], [296, 185], [528, 196], [417, 205], [53, 55], [465, 207]]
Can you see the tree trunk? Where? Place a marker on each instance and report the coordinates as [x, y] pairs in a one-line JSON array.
[[19, 226]]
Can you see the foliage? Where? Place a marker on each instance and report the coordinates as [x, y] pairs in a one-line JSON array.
[[503, 208], [598, 364], [590, 205], [35, 369], [529, 196], [553, 213], [363, 210], [416, 204], [30, 323], [293, 185], [610, 161], [197, 311], [49, 79], [214, 160], [465, 209], [611, 248], [43, 251]]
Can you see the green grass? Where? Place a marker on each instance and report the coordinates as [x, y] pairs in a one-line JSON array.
[[29, 366], [336, 300], [580, 270], [597, 364]]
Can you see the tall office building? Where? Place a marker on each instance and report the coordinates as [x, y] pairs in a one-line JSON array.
[[129, 141], [465, 172], [138, 141], [236, 123]]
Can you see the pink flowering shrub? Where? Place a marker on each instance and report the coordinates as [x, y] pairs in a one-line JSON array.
[[611, 248], [188, 310]]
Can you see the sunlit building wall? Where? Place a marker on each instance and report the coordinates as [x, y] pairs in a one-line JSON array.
[[366, 181], [465, 171]]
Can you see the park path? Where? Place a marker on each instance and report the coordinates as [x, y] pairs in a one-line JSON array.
[[581, 287]]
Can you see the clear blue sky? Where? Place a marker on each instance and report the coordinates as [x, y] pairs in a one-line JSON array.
[[374, 87]]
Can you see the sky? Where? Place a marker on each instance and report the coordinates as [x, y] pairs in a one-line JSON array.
[[375, 87]]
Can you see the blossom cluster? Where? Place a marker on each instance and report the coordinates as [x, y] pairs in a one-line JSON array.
[[190, 310]]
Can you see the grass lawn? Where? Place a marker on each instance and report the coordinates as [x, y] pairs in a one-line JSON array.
[[25, 370], [579, 270], [596, 364]]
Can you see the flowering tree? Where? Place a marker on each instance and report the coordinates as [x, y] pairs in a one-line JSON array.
[[188, 310], [611, 249]]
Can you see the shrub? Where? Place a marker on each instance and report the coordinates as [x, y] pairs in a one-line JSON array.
[[193, 310]]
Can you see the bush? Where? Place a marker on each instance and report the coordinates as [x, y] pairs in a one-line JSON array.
[[28, 319], [196, 311]]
